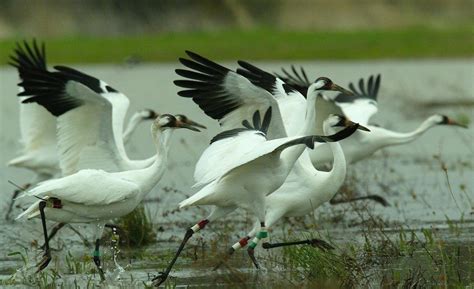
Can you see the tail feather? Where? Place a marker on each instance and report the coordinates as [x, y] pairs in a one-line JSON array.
[[31, 212], [197, 197]]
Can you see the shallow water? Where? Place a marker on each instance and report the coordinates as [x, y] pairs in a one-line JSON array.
[[409, 177]]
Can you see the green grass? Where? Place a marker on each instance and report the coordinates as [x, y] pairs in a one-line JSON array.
[[261, 44]]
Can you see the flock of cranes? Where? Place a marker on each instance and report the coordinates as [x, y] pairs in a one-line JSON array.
[[278, 131]]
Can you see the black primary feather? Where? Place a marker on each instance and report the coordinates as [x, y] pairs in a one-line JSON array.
[[258, 125], [48, 90], [204, 83], [25, 57], [370, 90], [257, 76], [296, 80]]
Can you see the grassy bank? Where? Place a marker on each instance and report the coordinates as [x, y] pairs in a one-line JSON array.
[[263, 44]]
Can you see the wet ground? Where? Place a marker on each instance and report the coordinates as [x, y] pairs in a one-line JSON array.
[[429, 185]]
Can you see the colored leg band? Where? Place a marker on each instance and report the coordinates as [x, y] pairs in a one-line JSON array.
[[236, 246], [252, 245], [96, 253], [244, 241], [199, 225], [195, 228], [262, 234]]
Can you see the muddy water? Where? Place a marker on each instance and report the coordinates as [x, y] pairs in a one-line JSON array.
[[410, 177]]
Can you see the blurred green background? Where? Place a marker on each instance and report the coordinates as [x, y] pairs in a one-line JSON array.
[[146, 30]]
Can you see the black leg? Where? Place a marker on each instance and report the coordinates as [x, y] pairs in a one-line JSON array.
[[251, 253], [97, 259], [47, 253], [162, 276], [53, 232], [375, 198], [323, 245]]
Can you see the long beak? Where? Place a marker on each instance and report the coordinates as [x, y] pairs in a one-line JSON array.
[[453, 122], [351, 123], [180, 124], [193, 123], [343, 90]]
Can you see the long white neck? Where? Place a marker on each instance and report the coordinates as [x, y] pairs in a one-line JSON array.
[[292, 154], [338, 172], [131, 126], [151, 175], [396, 138], [309, 127]]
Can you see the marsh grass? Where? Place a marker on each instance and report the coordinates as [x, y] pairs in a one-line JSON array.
[[135, 229], [407, 42]]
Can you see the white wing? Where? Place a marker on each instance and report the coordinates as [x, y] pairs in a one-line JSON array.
[[227, 96], [90, 117], [37, 125], [232, 149], [222, 154], [88, 187], [291, 102]]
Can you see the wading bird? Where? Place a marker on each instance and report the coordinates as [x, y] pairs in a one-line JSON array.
[[359, 106], [95, 196], [89, 115], [38, 126], [230, 97], [304, 190]]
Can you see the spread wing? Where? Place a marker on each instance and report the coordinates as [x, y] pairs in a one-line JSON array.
[[362, 105], [232, 149], [37, 125], [298, 80], [226, 95], [90, 116], [291, 102]]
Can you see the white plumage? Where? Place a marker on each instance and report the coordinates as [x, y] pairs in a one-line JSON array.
[[76, 132], [359, 106], [97, 196]]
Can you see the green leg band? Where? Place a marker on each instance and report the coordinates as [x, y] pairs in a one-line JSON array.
[[96, 253], [253, 245], [262, 234]]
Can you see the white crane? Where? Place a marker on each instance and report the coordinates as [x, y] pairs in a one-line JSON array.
[[95, 196], [360, 106], [304, 190], [241, 166], [38, 126], [89, 115]]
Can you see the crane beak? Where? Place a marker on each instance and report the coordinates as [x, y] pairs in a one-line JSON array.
[[361, 127], [336, 87], [347, 123], [193, 123], [351, 123], [180, 124], [189, 124], [450, 121]]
